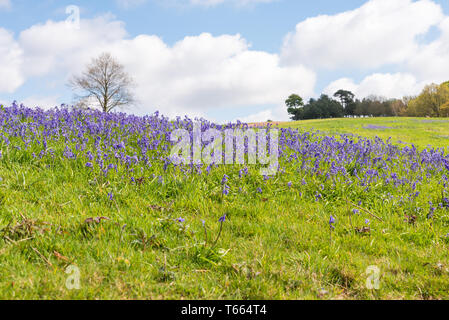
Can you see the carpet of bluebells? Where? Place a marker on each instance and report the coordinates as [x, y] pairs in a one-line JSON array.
[[370, 181], [132, 148]]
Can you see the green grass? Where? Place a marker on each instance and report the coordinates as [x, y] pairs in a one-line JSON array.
[[403, 131], [274, 245]]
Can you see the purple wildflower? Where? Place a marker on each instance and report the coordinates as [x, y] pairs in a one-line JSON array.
[[446, 164], [331, 222], [224, 180]]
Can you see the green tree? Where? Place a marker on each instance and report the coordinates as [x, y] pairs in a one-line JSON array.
[[445, 110], [398, 107], [324, 107], [347, 100], [295, 106], [430, 101], [375, 106]]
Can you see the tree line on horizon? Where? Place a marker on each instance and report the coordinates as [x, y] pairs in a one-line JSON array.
[[433, 101]]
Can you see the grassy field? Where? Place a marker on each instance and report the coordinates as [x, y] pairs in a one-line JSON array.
[[155, 234], [418, 131]]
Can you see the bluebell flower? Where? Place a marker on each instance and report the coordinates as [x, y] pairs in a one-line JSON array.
[[224, 180], [332, 222], [446, 164]]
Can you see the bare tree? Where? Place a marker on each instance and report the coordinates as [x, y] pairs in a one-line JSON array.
[[105, 81]]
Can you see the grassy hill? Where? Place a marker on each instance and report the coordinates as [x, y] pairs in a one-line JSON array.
[[93, 197], [418, 131]]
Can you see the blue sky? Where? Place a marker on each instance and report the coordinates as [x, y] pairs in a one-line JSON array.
[[265, 24], [260, 59]]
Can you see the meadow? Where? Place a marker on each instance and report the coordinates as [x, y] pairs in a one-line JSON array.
[[94, 197], [421, 132]]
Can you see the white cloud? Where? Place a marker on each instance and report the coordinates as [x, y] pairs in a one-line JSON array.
[[388, 85], [11, 58], [66, 48], [378, 33], [5, 4], [205, 72], [342, 83], [431, 61], [261, 116], [196, 74], [44, 102], [275, 114]]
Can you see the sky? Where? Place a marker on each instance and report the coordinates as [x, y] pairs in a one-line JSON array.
[[224, 59]]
